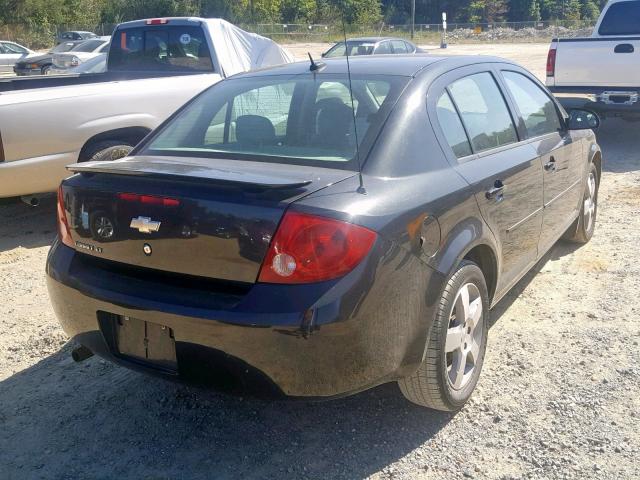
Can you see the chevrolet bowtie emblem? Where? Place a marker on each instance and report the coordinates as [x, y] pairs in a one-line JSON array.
[[145, 225]]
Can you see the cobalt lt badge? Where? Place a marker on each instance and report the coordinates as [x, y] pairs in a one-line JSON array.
[[147, 249]]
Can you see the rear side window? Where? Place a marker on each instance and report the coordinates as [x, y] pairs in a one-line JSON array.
[[160, 49], [483, 111], [537, 110], [399, 46], [621, 18], [452, 127]]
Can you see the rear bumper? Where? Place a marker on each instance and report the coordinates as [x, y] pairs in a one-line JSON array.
[[319, 340], [34, 175], [24, 72], [618, 101]]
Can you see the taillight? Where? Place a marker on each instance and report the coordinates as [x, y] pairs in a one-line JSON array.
[[308, 249], [63, 224], [157, 21], [551, 62]]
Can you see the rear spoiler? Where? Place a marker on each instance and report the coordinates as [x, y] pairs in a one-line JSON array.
[[193, 172]]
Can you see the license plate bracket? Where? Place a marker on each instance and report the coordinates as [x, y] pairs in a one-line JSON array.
[[146, 342]]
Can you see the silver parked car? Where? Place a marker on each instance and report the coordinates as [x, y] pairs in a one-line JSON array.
[[10, 53], [372, 46]]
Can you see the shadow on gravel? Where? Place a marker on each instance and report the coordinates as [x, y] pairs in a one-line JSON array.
[[95, 420], [618, 140], [559, 250], [25, 226]]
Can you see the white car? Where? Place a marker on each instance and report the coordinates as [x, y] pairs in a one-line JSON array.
[[600, 72], [10, 53], [97, 64], [80, 53]]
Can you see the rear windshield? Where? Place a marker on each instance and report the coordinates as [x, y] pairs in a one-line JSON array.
[[88, 46], [353, 48], [63, 47], [304, 120], [621, 19], [160, 48]]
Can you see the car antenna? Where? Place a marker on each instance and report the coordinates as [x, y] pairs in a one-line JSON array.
[[315, 66], [361, 188]]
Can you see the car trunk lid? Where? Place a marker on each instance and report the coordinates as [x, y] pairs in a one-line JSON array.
[[203, 217]]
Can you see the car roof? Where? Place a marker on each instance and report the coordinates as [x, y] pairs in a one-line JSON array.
[[396, 65]]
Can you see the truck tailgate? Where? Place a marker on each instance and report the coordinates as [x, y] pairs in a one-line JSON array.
[[597, 62]]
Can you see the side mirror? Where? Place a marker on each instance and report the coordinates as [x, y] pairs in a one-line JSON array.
[[323, 54], [582, 120]]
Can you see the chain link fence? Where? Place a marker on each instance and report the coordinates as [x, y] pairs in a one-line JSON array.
[[43, 37]]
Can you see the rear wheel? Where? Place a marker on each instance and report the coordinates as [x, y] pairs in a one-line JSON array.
[[107, 150], [582, 229], [457, 343]]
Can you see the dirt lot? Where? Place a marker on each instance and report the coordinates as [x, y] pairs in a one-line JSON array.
[[558, 397]]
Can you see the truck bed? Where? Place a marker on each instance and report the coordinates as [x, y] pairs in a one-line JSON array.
[[30, 83]]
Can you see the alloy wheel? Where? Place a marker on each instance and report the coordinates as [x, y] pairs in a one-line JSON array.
[[464, 336], [589, 207]]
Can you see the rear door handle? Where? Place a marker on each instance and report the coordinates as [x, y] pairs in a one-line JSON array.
[[495, 193], [623, 48], [550, 166]]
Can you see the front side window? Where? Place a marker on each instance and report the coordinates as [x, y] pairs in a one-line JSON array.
[[168, 48], [622, 18], [308, 121], [452, 128], [12, 48], [484, 111], [537, 109]]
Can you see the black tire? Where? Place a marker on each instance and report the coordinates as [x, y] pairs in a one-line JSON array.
[[45, 69], [582, 229], [431, 385], [107, 150]]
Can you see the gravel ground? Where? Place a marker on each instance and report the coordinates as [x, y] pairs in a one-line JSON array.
[[558, 397]]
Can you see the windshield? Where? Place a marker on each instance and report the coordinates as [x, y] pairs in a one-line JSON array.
[[621, 19], [355, 48], [305, 120], [88, 46], [169, 48]]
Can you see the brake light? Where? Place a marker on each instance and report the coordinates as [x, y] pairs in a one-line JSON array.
[[148, 199], [157, 21], [308, 249], [63, 224], [551, 62]]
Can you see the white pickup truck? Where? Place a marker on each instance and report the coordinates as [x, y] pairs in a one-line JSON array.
[[601, 72], [154, 67]]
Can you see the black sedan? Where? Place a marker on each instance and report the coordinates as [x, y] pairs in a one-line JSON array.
[[372, 46], [41, 64], [240, 240]]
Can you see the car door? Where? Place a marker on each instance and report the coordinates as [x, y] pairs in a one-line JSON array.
[[3, 57], [476, 125], [560, 155]]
